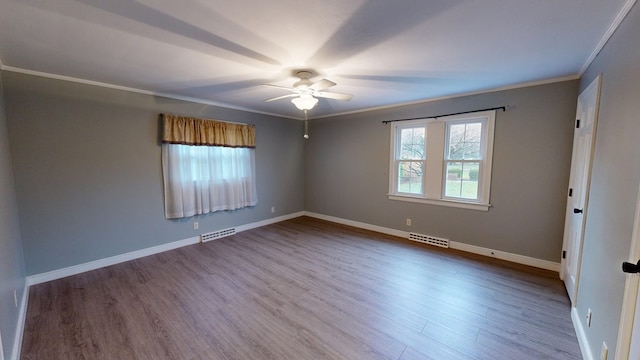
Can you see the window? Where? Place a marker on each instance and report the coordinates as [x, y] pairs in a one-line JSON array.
[[203, 179], [444, 161], [207, 166]]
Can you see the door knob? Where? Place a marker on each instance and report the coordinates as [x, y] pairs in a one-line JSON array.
[[577, 211], [631, 268]]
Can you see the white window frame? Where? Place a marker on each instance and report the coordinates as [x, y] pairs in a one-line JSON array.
[[435, 165]]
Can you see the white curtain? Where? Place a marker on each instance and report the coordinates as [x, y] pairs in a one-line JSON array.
[[203, 179]]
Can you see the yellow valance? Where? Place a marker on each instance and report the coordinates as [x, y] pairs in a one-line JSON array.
[[193, 131]]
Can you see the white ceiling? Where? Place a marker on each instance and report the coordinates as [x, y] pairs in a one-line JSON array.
[[383, 52]]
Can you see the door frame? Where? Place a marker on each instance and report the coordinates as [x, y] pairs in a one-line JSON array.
[[595, 85], [627, 315]]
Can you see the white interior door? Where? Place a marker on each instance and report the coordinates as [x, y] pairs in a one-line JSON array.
[[577, 201]]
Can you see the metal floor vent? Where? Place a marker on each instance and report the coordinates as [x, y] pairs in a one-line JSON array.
[[431, 240], [217, 234]]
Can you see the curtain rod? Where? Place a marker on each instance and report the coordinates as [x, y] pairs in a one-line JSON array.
[[503, 108], [208, 119]]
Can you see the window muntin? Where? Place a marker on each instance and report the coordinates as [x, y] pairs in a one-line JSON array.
[[451, 166]]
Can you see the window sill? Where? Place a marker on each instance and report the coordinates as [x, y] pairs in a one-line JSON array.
[[449, 203]]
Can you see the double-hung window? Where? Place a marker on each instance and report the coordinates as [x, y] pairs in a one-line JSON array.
[[444, 161]]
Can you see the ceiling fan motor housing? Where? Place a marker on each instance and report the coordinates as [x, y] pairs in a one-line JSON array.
[[305, 80]]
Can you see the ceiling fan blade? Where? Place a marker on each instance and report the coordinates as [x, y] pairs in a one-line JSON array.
[[322, 84], [331, 95], [281, 97], [279, 87]]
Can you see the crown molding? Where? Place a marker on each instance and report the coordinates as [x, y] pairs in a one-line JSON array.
[[608, 34], [454, 96], [227, 106], [139, 91]]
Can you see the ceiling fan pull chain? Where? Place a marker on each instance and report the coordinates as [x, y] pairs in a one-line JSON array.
[[306, 125]]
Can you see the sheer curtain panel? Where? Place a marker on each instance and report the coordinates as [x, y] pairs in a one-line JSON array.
[[207, 166]]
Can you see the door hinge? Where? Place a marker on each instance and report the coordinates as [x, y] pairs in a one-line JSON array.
[[564, 254], [577, 123], [570, 192]]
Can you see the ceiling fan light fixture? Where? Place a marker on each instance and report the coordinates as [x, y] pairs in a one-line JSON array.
[[305, 93], [304, 102]]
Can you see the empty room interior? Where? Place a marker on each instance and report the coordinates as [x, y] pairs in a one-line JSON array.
[[290, 179]]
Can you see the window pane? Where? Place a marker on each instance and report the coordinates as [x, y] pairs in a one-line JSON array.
[[412, 144], [473, 135], [418, 151], [473, 132], [462, 180], [410, 177], [406, 136], [471, 151], [418, 135], [464, 141]]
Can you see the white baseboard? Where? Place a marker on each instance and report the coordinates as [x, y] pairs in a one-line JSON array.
[[22, 317], [580, 334], [97, 264], [269, 221], [92, 265], [519, 259], [361, 225]]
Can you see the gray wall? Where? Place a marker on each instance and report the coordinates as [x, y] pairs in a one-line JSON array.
[[347, 171], [614, 184], [88, 170], [12, 270]]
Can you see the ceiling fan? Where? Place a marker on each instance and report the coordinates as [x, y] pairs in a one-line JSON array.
[[306, 92]]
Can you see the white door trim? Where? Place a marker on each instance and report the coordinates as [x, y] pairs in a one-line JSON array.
[[623, 343], [567, 244]]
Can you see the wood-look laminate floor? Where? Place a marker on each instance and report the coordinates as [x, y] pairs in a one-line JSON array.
[[303, 289]]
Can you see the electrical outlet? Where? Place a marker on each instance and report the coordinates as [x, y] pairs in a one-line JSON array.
[[605, 351], [196, 226], [15, 297], [589, 313], [273, 209], [408, 222]]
